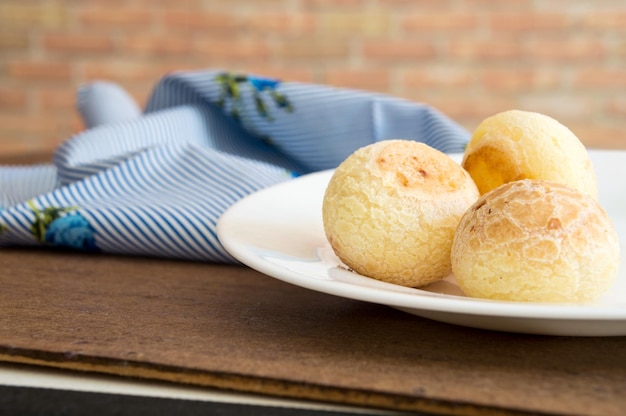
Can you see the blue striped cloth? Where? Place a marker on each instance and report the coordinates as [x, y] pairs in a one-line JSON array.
[[154, 183]]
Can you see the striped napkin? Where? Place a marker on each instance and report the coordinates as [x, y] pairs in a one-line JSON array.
[[155, 182]]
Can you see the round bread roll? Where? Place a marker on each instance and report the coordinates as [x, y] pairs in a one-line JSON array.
[[535, 241], [391, 208], [515, 145]]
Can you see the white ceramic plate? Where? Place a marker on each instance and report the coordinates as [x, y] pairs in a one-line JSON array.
[[278, 231]]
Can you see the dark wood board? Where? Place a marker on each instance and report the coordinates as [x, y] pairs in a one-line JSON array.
[[233, 328]]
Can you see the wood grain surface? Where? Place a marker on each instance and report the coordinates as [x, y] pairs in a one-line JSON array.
[[233, 328]]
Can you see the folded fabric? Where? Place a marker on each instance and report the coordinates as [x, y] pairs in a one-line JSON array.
[[102, 102], [155, 183]]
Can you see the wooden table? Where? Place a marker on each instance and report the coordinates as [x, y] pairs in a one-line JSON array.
[[232, 328]]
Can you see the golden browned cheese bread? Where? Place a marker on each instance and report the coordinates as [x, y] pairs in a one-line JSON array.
[[535, 241], [391, 208], [515, 145]]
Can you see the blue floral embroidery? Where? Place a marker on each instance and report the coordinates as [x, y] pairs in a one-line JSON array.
[[63, 227], [73, 231], [263, 83], [261, 87]]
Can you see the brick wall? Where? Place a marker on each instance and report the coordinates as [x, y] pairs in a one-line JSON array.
[[469, 58]]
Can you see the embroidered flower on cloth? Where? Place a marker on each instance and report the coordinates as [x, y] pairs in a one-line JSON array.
[[62, 227], [261, 83], [73, 231], [231, 93]]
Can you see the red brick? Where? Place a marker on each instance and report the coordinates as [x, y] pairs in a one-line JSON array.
[[29, 124], [26, 15], [13, 99], [117, 70], [617, 50], [201, 20], [517, 79], [39, 71], [318, 48], [616, 106], [566, 49], [155, 4], [281, 22], [600, 135], [437, 77], [78, 43], [110, 17], [427, 22], [469, 58], [526, 22], [467, 108], [474, 6], [566, 108], [76, 124], [124, 71], [481, 49], [335, 4], [600, 78], [244, 5], [398, 50], [15, 144], [13, 41], [423, 5], [231, 49], [161, 45], [364, 79], [365, 23], [605, 20], [56, 99]]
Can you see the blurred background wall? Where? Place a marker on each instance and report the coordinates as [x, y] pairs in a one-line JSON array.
[[469, 58]]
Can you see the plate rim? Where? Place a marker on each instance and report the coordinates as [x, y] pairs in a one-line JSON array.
[[430, 302]]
